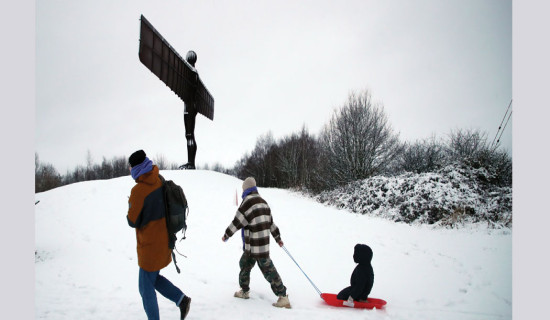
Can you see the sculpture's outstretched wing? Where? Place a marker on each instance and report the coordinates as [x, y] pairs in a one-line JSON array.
[[159, 57]]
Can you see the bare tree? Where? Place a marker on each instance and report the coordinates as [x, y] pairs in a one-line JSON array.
[[423, 156], [120, 166], [160, 161], [472, 148], [90, 172], [218, 167], [174, 166], [46, 176], [297, 160], [289, 161], [358, 140], [260, 164], [467, 144], [36, 164], [106, 171]]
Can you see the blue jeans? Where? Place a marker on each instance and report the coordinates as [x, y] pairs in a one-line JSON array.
[[151, 281]]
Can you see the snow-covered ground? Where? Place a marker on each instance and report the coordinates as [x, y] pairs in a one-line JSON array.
[[86, 264]]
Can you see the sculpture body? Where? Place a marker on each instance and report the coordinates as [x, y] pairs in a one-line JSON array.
[[181, 77]]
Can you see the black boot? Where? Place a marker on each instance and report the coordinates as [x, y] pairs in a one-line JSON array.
[[184, 306], [187, 166]]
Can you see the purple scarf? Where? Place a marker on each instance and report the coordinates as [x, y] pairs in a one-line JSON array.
[[249, 191], [142, 168]]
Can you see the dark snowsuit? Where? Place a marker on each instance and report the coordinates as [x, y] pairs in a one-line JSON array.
[[362, 277]]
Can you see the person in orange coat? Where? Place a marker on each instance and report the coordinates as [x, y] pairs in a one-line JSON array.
[[146, 213]]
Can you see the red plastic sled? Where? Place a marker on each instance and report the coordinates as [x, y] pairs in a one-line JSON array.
[[330, 299]]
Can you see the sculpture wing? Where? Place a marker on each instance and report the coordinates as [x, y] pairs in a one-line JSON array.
[[159, 57]]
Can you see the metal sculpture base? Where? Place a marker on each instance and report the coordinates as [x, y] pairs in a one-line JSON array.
[[187, 166]]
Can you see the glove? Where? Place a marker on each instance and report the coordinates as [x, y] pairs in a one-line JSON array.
[[349, 302]]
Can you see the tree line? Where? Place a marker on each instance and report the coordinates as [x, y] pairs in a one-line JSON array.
[[356, 143], [47, 177]]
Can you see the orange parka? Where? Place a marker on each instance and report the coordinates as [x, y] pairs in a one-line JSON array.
[[146, 214]]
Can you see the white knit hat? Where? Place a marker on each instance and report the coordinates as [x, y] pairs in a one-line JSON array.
[[249, 183]]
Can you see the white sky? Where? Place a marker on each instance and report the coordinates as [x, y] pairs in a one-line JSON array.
[[271, 66]]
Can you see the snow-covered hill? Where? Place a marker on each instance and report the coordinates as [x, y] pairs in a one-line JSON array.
[[86, 264]]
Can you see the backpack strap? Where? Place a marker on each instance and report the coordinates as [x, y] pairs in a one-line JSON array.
[[175, 263], [171, 237]]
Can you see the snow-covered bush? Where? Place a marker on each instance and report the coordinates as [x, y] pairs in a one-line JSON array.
[[450, 196]]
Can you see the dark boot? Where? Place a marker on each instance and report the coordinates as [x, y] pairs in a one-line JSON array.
[[184, 307], [187, 166]]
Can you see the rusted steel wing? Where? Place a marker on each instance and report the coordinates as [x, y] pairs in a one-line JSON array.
[[159, 57]]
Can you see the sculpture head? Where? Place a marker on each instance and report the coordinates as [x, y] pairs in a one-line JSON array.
[[191, 57]]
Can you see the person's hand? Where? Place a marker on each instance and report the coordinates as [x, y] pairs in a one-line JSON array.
[[349, 302], [281, 243], [224, 238]]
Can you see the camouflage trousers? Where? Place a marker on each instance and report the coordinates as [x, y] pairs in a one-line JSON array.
[[268, 270]]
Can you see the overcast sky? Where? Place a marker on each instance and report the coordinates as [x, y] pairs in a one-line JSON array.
[[272, 66]]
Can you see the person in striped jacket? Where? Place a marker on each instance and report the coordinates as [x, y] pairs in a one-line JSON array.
[[256, 223]]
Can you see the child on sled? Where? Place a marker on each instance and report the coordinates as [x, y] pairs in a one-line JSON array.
[[362, 277]]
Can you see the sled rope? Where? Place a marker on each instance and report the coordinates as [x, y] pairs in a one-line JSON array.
[[313, 284]]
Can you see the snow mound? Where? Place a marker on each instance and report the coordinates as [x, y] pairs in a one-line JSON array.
[[451, 196]]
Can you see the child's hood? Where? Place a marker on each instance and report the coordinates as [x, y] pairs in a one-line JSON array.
[[362, 254]]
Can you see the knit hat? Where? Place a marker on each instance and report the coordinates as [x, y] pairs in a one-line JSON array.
[[136, 158], [249, 183]]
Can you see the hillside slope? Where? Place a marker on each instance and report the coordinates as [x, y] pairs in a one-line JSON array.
[[86, 266]]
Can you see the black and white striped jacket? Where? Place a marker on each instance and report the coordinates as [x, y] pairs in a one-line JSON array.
[[254, 216]]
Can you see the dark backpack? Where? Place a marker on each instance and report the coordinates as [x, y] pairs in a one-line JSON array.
[[176, 210]]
